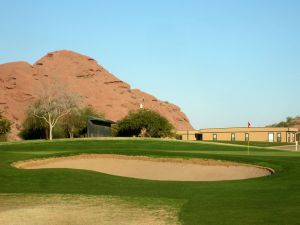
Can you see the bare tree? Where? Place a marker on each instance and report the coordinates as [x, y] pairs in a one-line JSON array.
[[53, 104]]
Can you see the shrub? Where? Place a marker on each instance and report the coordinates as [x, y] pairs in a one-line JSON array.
[[144, 123], [72, 125], [5, 127], [36, 128], [75, 123], [33, 128], [54, 103]]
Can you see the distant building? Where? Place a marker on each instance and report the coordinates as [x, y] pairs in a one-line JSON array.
[[260, 134], [99, 127]]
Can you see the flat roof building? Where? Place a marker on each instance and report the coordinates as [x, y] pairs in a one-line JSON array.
[[259, 134]]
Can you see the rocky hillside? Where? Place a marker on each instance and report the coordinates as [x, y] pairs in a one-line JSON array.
[[289, 122], [20, 83], [296, 122]]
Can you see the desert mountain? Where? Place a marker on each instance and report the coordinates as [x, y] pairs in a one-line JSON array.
[[296, 122], [21, 81], [289, 122]]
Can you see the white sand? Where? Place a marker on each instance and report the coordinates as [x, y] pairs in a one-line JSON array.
[[153, 168]]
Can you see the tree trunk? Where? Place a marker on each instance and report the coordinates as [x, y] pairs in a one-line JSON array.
[[71, 134], [50, 131]]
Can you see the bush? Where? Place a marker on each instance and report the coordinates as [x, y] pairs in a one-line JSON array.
[[33, 128], [5, 127], [75, 123], [144, 123], [72, 125], [36, 128]]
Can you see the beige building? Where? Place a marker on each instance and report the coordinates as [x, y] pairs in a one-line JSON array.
[[262, 134]]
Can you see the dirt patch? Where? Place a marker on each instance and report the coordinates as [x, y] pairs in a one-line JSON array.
[[78, 210], [168, 169], [287, 147]]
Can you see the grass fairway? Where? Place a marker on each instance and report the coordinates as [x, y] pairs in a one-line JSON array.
[[269, 200], [255, 143]]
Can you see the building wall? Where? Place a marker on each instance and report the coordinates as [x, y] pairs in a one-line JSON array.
[[188, 135], [255, 134], [99, 128]]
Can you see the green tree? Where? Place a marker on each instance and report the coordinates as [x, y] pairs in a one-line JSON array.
[[72, 125], [144, 123], [33, 128], [36, 128], [75, 123], [53, 104], [5, 127]]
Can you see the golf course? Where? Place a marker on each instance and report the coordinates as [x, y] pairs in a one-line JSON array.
[[82, 196]]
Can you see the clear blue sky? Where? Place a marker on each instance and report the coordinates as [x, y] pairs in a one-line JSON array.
[[223, 62]]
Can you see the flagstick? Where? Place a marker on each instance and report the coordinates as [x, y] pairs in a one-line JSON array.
[[249, 125], [248, 145]]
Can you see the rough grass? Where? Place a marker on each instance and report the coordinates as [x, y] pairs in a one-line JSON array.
[[269, 200], [36, 209]]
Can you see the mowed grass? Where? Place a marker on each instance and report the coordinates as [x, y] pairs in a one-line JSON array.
[[268, 200], [255, 143]]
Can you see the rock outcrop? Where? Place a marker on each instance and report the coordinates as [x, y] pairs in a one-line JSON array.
[[20, 83]]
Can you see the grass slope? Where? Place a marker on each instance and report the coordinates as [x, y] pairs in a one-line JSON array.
[[255, 143], [268, 200]]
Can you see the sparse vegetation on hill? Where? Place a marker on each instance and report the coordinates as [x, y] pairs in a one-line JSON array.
[[289, 122], [144, 123]]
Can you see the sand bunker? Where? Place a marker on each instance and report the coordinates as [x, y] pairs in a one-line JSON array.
[[167, 169]]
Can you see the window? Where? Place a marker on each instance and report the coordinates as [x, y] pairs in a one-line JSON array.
[[199, 137], [293, 137], [214, 137], [232, 136], [278, 137], [246, 137], [288, 137]]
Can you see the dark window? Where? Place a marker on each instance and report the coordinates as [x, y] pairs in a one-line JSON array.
[[288, 137], [232, 136], [199, 137], [214, 137], [278, 137]]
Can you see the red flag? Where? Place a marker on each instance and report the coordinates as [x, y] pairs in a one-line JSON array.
[[249, 124]]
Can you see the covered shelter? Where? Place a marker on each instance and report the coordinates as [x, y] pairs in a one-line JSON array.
[[99, 127]]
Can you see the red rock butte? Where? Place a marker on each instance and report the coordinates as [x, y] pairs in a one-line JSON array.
[[20, 83]]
